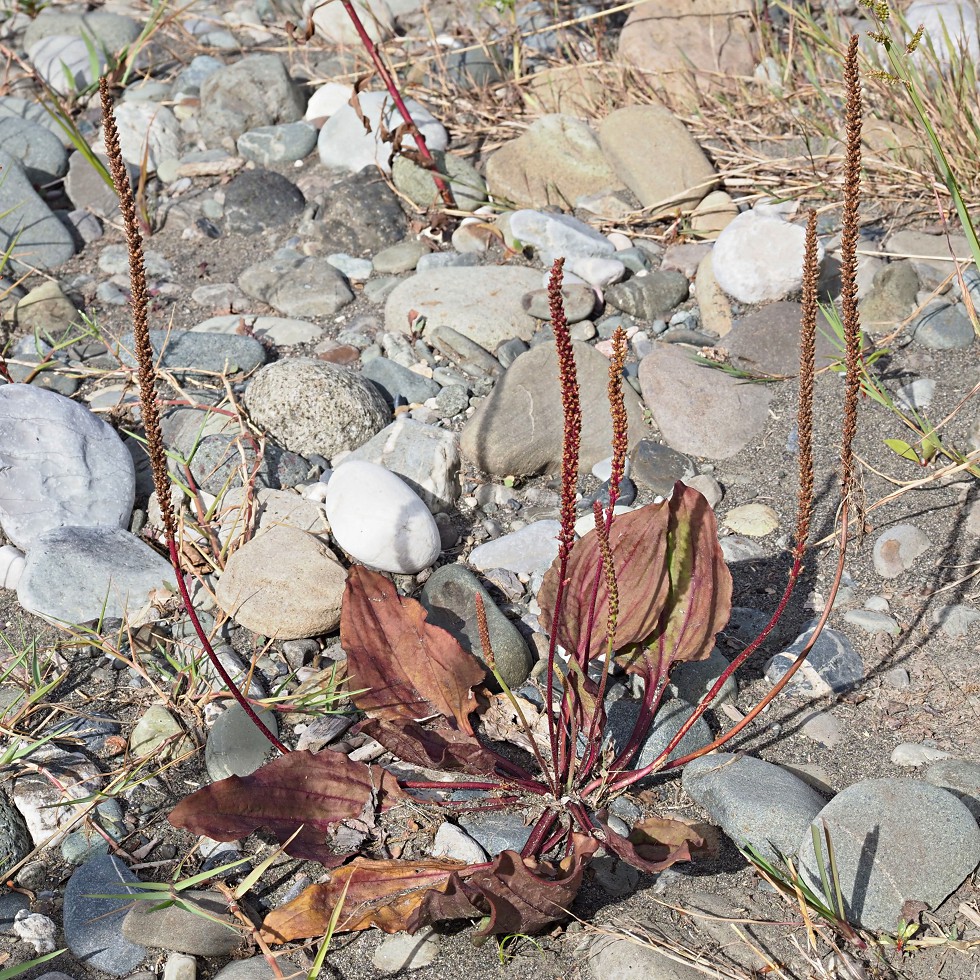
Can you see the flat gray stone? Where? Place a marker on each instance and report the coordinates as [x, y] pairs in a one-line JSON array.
[[278, 144], [961, 777], [753, 801], [76, 574], [897, 548], [188, 352], [518, 429], [945, 328], [531, 550], [59, 465], [298, 287], [449, 597], [398, 383], [93, 926], [833, 665], [416, 183], [235, 747], [426, 457], [40, 152], [175, 929], [698, 410], [281, 331], [651, 296], [886, 835], [767, 340], [482, 303], [259, 200], [37, 239]]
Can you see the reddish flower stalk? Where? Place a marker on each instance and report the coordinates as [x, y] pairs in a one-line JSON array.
[[445, 192]]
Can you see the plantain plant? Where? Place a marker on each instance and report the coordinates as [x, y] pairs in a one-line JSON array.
[[643, 592]]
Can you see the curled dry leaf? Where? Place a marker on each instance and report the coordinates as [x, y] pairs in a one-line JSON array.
[[404, 668], [500, 722], [654, 844], [322, 792], [437, 747]]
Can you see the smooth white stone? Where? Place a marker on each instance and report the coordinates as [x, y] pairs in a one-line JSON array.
[[11, 566], [379, 520]]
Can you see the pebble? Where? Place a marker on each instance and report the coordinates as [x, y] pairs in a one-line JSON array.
[[74, 574], [283, 583], [37, 930], [402, 951], [149, 133], [735, 548], [453, 842], [578, 302], [690, 681], [311, 407], [379, 520], [758, 257], [281, 331], [496, 830], [468, 188], [529, 550], [158, 733], [912, 755], [299, 287], [611, 956], [946, 328], [400, 257], [278, 144], [187, 352], [651, 296], [754, 802], [553, 235], [259, 200], [909, 822], [752, 520], [93, 926], [209, 932], [346, 142], [873, 622], [896, 549], [179, 966], [398, 384], [254, 968], [955, 621], [39, 151], [833, 665], [359, 214], [449, 598], [235, 746]]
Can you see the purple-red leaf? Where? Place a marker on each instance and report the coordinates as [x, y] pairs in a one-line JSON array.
[[319, 792], [408, 669], [674, 587], [514, 896], [432, 748]]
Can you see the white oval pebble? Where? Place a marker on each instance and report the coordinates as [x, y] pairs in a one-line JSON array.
[[379, 520], [753, 520], [913, 754]]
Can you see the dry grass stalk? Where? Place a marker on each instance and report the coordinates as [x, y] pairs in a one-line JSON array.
[[148, 400]]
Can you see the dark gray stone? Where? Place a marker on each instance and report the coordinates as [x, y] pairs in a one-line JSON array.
[[622, 715], [15, 841], [496, 830], [186, 352], [360, 215], [278, 144], [658, 467], [93, 926], [257, 200], [833, 665], [887, 835], [449, 597], [41, 153], [691, 681], [946, 328], [579, 303], [753, 801], [767, 340], [302, 286], [398, 384], [650, 296], [220, 459]]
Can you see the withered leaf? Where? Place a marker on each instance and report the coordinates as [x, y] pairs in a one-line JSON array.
[[407, 669], [316, 791], [514, 896], [379, 893], [653, 845]]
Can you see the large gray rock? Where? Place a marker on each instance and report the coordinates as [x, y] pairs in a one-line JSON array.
[[211, 934], [40, 152], [59, 464], [699, 410], [76, 574], [256, 91], [313, 407], [449, 597], [518, 429], [895, 840], [109, 32], [426, 457], [753, 801], [37, 239], [482, 303]]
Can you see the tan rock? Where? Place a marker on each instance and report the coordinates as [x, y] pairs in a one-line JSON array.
[[555, 162], [713, 215], [284, 583], [657, 158], [685, 47], [46, 310], [716, 310], [269, 508], [569, 89]]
